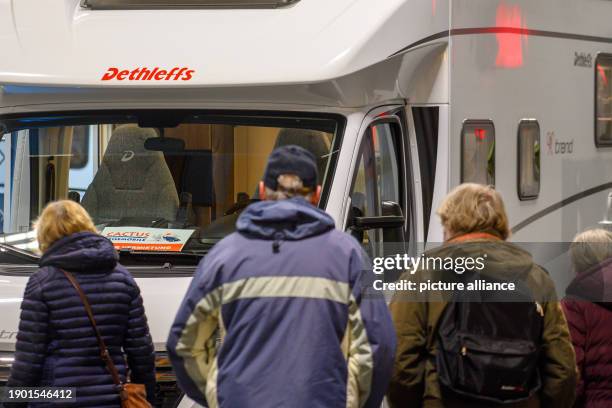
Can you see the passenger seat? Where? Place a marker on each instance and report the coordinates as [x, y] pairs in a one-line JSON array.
[[132, 182]]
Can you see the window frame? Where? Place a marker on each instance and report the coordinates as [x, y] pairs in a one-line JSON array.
[[608, 56], [393, 121], [398, 134], [476, 122], [519, 161], [11, 122]]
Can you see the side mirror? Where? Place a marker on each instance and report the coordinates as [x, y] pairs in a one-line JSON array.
[[383, 221], [392, 217]]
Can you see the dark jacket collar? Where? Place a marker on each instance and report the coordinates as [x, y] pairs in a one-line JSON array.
[[81, 252], [290, 220]]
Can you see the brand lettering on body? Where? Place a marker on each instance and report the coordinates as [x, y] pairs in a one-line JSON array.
[[148, 74], [555, 146], [583, 59]]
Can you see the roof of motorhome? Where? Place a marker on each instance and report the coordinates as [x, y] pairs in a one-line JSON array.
[[61, 43], [319, 52]]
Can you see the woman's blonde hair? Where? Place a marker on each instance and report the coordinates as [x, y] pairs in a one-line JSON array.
[[60, 219], [590, 247], [474, 207]]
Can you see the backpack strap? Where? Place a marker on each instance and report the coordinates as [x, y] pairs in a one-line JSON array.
[[104, 354]]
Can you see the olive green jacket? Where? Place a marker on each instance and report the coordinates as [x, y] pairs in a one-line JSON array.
[[415, 382]]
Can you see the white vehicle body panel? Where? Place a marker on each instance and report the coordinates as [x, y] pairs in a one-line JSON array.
[[349, 57]]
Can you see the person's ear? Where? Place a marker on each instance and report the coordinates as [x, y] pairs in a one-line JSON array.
[[262, 191], [316, 196]]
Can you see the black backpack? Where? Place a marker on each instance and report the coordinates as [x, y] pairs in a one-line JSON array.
[[489, 344]]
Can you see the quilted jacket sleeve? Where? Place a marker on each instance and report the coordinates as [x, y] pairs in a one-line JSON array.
[[138, 346], [32, 337]]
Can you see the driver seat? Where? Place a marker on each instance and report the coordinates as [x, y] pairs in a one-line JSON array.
[[131, 181]]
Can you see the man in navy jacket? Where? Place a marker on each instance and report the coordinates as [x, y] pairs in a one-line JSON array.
[[276, 314]]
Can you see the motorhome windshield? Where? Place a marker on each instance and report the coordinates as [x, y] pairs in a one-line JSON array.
[[150, 185]]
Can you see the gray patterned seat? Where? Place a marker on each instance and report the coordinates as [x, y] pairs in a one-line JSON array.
[[131, 181]]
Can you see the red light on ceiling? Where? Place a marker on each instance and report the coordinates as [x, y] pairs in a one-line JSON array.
[[480, 134], [509, 44]]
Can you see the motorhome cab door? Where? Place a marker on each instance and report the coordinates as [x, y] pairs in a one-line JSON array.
[[381, 199]]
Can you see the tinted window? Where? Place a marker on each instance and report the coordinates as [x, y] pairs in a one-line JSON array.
[[528, 159], [603, 100], [478, 152]]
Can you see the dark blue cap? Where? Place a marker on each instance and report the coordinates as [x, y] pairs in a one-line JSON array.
[[291, 159]]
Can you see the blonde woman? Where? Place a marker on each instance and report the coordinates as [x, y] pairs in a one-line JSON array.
[[588, 308], [56, 345], [475, 223]]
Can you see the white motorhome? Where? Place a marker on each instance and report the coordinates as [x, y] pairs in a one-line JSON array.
[[160, 117]]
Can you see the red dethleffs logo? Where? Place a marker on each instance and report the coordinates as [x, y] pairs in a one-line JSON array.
[[148, 74]]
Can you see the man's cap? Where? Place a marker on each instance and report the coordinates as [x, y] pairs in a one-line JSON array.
[[291, 159]]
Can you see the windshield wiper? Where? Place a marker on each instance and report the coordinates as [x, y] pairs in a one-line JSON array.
[[154, 257], [20, 253]]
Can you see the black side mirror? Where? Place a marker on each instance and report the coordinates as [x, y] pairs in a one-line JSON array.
[[392, 217], [383, 221]]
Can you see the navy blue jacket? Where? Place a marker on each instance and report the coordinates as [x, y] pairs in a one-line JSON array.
[[56, 345], [285, 297]]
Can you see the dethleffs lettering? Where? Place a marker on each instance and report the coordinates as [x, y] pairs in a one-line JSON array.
[[148, 74]]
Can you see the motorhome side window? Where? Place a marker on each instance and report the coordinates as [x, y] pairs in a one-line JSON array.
[[603, 100], [528, 159], [478, 152]]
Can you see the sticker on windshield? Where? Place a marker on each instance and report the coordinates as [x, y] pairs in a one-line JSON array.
[[147, 239]]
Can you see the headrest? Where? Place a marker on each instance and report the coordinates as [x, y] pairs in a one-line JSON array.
[[126, 158], [314, 141]]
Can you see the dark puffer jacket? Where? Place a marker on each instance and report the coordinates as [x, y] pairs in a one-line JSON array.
[[588, 308], [56, 345]]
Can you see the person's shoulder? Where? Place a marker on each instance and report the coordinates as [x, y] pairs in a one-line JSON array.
[[340, 239], [44, 275], [231, 245], [542, 276], [121, 275]]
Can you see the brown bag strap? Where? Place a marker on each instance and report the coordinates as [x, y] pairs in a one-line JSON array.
[[104, 354]]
